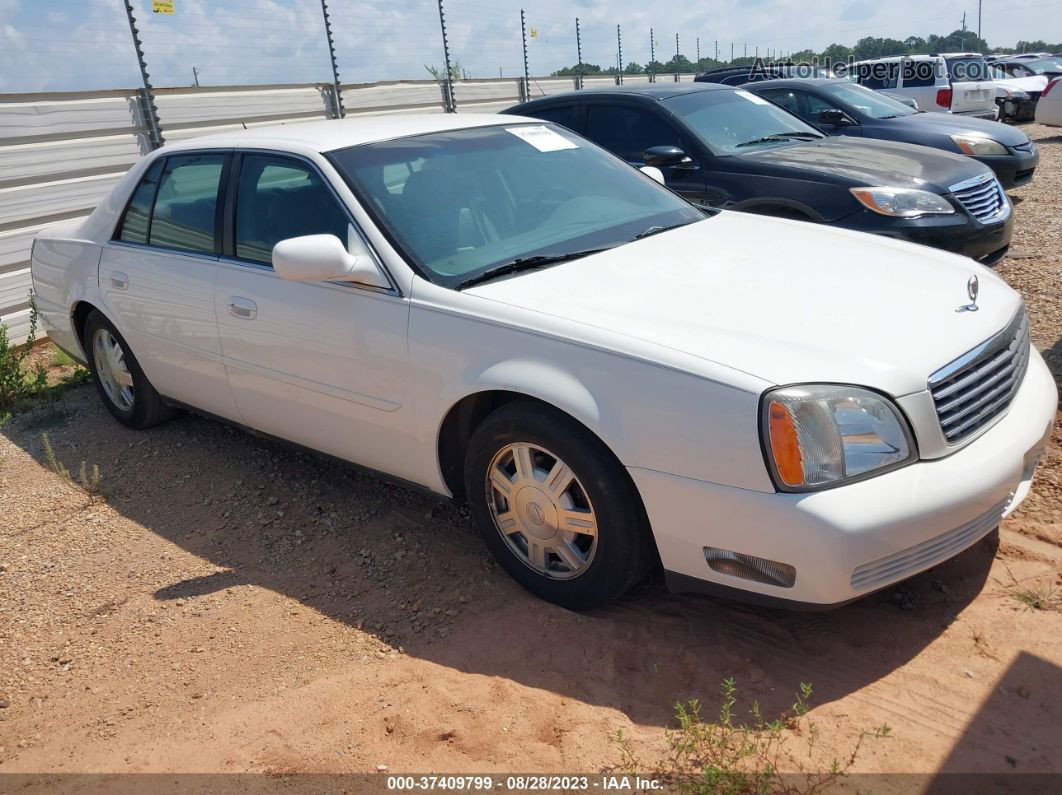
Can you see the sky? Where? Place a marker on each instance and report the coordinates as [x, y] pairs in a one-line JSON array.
[[68, 45]]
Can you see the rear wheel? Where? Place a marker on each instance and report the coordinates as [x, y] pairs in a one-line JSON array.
[[125, 390], [555, 507]]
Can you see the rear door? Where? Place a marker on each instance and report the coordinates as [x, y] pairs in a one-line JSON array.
[[972, 90], [628, 130], [157, 278], [921, 80]]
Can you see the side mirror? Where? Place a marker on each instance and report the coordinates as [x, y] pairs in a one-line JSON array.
[[321, 258], [913, 104], [838, 118], [673, 156], [653, 173]]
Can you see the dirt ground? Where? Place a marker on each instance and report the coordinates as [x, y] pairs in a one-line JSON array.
[[229, 604]]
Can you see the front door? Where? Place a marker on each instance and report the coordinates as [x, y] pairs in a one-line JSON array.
[[157, 279], [321, 364]]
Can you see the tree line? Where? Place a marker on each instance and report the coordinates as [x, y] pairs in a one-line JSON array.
[[864, 49]]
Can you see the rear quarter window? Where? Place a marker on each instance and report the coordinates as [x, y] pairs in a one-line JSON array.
[[564, 115]]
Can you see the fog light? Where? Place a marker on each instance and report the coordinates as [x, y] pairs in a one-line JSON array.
[[769, 572]]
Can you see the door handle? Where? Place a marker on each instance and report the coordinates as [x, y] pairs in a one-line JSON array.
[[119, 280], [243, 308]]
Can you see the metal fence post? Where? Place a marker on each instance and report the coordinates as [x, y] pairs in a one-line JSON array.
[[147, 98], [449, 101], [619, 56], [526, 90], [337, 91], [652, 56], [579, 55]]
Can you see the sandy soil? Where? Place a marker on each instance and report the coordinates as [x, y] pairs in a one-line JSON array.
[[229, 604]]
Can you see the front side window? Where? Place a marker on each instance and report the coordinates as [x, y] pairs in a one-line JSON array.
[[565, 115], [784, 97], [186, 203], [731, 122], [278, 198], [488, 197], [628, 132], [870, 103]]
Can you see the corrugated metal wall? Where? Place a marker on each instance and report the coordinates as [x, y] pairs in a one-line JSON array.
[[61, 153]]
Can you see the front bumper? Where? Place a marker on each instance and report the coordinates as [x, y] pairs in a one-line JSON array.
[[1015, 169], [959, 233], [850, 541]]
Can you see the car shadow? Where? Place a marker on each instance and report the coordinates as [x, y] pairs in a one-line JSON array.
[[409, 568]]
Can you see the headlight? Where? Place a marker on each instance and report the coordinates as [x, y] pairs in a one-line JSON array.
[[902, 202], [978, 146], [819, 435]]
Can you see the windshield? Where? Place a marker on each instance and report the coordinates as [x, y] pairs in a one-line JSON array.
[[1044, 65], [972, 68], [463, 202], [871, 103], [737, 121]]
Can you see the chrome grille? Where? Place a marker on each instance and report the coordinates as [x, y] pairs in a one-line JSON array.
[[977, 387], [983, 198]]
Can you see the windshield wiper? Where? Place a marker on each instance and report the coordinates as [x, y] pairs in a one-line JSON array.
[[782, 136], [526, 264], [656, 230]]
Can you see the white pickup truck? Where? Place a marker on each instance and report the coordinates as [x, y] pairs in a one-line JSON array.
[[957, 83]]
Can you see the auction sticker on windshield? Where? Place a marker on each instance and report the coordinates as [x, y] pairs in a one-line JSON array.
[[542, 138]]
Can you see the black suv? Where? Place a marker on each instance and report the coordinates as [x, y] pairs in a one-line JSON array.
[[722, 147]]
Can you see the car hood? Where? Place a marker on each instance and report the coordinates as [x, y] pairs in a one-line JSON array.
[[786, 301], [871, 162], [952, 124]]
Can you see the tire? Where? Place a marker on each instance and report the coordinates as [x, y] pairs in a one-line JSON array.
[[545, 546], [137, 404]]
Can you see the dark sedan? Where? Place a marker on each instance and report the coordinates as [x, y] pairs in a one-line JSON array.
[[725, 147], [838, 107]]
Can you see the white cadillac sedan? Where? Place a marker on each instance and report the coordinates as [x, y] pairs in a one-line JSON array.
[[496, 309]]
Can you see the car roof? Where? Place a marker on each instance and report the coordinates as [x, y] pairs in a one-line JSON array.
[[650, 90], [327, 135], [796, 82]]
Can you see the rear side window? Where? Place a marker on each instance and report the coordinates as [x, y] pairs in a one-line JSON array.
[[628, 132], [919, 74], [278, 198], [785, 97], [133, 228], [879, 75], [185, 206], [565, 116]]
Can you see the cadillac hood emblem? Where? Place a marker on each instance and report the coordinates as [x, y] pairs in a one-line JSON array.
[[972, 288]]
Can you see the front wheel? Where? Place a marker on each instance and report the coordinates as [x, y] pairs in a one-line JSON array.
[[555, 507]]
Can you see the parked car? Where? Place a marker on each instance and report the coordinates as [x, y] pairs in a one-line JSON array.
[[1049, 109], [949, 83], [496, 309], [725, 147], [738, 75], [838, 107], [1016, 96]]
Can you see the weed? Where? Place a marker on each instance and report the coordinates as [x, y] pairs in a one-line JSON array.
[[18, 382], [730, 757], [1038, 596], [90, 484], [61, 358], [23, 383]]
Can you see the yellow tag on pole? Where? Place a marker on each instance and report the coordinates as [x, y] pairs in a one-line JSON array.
[[534, 33], [162, 7]]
